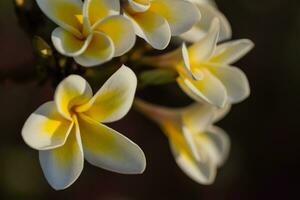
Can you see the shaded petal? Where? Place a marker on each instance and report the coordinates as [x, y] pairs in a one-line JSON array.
[[110, 150], [139, 5], [67, 44], [175, 12], [72, 91], [153, 28], [230, 52], [201, 172], [96, 10], [113, 101], [208, 89], [208, 13], [63, 165], [234, 80], [220, 113], [216, 143], [203, 50], [120, 30], [46, 128], [65, 13], [100, 50]]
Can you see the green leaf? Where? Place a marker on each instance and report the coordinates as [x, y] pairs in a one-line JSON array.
[[157, 77]]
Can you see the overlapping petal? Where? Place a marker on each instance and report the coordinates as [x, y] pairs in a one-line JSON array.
[[180, 15], [108, 149], [114, 99], [71, 92], [96, 10], [100, 50], [120, 30], [234, 80], [46, 128], [67, 44], [65, 13], [63, 165], [139, 5], [153, 28]]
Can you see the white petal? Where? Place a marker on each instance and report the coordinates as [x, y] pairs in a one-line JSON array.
[[203, 50], [46, 128], [96, 10], [201, 172], [72, 91], [209, 89], [235, 82], [139, 5], [110, 150], [120, 30], [65, 13], [100, 50], [67, 44], [231, 52], [63, 165], [113, 101], [152, 27], [181, 15]]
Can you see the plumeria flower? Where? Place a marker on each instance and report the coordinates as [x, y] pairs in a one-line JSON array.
[[209, 11], [92, 32], [157, 20], [206, 73], [198, 146], [69, 129]]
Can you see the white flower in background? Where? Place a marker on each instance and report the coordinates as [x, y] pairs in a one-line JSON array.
[[69, 129], [157, 20], [206, 73], [209, 11], [92, 32], [198, 146]]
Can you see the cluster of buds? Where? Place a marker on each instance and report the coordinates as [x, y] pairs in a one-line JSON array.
[[92, 34]]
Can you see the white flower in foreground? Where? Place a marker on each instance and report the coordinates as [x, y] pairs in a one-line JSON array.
[[69, 129], [209, 11], [198, 146], [157, 20], [92, 32], [206, 73]]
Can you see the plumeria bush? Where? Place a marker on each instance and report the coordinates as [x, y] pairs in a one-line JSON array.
[[120, 46]]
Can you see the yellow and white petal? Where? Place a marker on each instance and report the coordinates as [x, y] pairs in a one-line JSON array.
[[181, 15], [231, 52], [198, 116], [220, 113], [65, 13], [63, 165], [216, 143], [68, 44], [96, 10], [152, 27], [201, 172], [234, 80], [100, 50], [120, 30], [208, 13], [71, 92], [203, 50], [113, 101], [209, 89], [46, 128], [139, 5], [110, 150]]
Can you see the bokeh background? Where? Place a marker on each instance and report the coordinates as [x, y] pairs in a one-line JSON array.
[[264, 130]]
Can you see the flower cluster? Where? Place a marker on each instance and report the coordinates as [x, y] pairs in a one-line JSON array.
[[72, 127]]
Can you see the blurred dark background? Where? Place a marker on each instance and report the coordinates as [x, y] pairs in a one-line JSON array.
[[265, 157]]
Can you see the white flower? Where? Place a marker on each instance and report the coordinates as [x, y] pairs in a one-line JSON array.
[[198, 146], [92, 32], [69, 129]]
